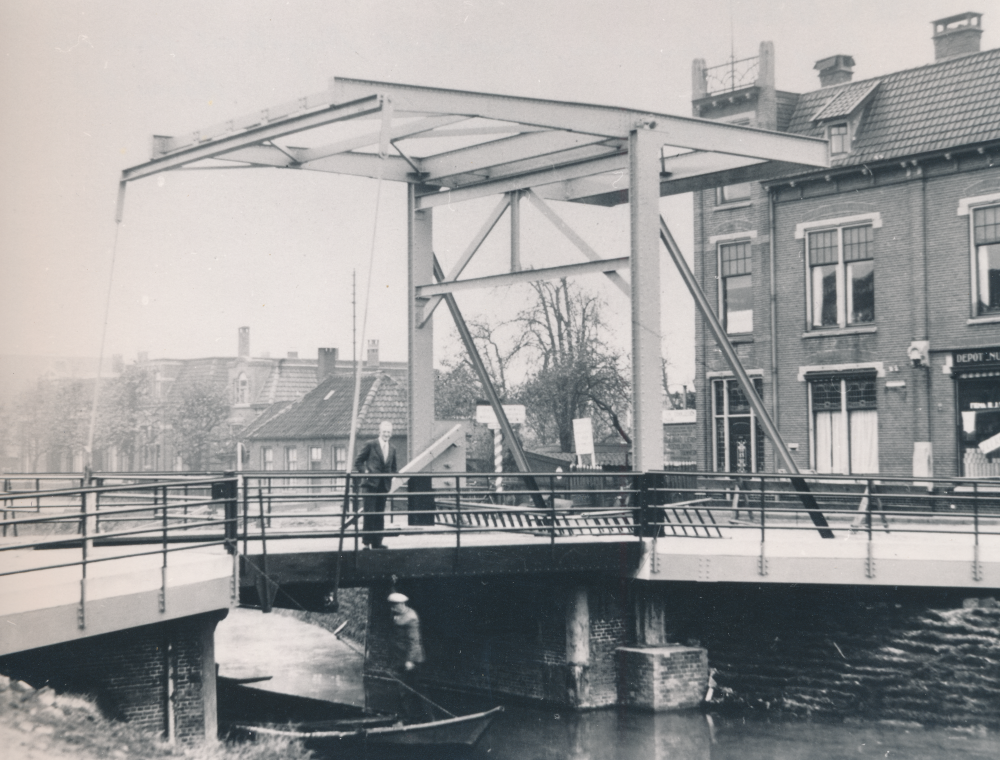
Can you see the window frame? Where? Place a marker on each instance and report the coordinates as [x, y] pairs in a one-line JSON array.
[[722, 310], [722, 200], [315, 463], [337, 450], [843, 294], [845, 143], [843, 378], [267, 458], [757, 463], [973, 210], [291, 458], [242, 389]]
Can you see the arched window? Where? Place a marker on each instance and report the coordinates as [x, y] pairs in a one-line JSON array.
[[242, 389]]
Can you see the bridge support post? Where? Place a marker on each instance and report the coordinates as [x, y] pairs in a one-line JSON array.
[[578, 646], [647, 383], [650, 617], [421, 338]]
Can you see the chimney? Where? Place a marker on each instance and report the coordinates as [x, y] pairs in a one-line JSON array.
[[836, 69], [293, 354], [957, 35], [142, 357], [243, 346], [327, 363], [117, 364], [372, 361]]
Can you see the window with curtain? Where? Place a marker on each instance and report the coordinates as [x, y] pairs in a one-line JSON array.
[[841, 276], [736, 291], [845, 424], [340, 457]]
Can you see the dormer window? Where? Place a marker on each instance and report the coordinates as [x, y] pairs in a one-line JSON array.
[[242, 389], [840, 139]]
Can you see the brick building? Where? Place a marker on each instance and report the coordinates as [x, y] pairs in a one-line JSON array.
[[863, 300], [251, 384]]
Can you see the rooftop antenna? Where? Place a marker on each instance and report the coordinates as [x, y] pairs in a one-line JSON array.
[[732, 48]]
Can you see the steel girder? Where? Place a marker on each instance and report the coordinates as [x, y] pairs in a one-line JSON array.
[[474, 144]]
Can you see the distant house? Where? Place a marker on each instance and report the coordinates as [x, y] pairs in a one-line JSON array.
[[313, 433], [252, 385]]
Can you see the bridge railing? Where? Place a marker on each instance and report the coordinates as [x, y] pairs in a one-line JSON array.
[[263, 506], [658, 504], [81, 526]]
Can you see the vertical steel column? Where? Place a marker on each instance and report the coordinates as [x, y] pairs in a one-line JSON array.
[[515, 231], [420, 268], [644, 207]]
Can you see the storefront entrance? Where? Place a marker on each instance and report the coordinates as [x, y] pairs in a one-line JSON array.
[[977, 376]]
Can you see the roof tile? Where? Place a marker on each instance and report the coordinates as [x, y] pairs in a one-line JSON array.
[[934, 107]]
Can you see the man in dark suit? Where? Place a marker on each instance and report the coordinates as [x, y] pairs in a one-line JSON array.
[[376, 457]]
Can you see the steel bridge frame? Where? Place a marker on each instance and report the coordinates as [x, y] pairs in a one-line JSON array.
[[518, 148]]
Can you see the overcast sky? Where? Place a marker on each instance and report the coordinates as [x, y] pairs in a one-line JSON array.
[[84, 86]]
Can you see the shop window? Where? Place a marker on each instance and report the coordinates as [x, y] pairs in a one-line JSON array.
[[844, 424], [986, 241], [267, 458], [736, 290], [739, 438], [979, 412], [841, 276]]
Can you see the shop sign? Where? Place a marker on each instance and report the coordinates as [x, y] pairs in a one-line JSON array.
[[977, 357], [990, 445]]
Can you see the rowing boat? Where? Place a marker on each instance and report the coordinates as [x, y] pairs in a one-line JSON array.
[[330, 727]]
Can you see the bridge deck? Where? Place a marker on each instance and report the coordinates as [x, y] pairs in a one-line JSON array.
[[909, 553], [41, 603]]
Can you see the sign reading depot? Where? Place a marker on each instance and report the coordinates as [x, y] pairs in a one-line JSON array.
[[976, 357]]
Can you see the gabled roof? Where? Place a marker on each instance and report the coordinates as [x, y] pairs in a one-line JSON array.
[[936, 107], [846, 100], [288, 380], [210, 372], [325, 412]]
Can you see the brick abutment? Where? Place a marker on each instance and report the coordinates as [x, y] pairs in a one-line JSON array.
[[927, 656], [159, 677]]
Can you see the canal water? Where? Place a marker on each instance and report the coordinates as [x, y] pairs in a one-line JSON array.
[[307, 660]]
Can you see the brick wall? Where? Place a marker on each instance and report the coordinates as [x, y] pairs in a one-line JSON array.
[[127, 672], [914, 655], [662, 678], [918, 212]]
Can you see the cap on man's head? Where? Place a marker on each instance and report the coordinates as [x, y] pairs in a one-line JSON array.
[[397, 598]]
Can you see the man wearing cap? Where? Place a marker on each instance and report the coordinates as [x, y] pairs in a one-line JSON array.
[[408, 655], [376, 457]]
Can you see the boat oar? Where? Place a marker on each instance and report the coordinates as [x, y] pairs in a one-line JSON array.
[[351, 645]]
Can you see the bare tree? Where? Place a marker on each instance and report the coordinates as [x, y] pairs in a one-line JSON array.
[[574, 372], [126, 415], [198, 429], [51, 421]]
